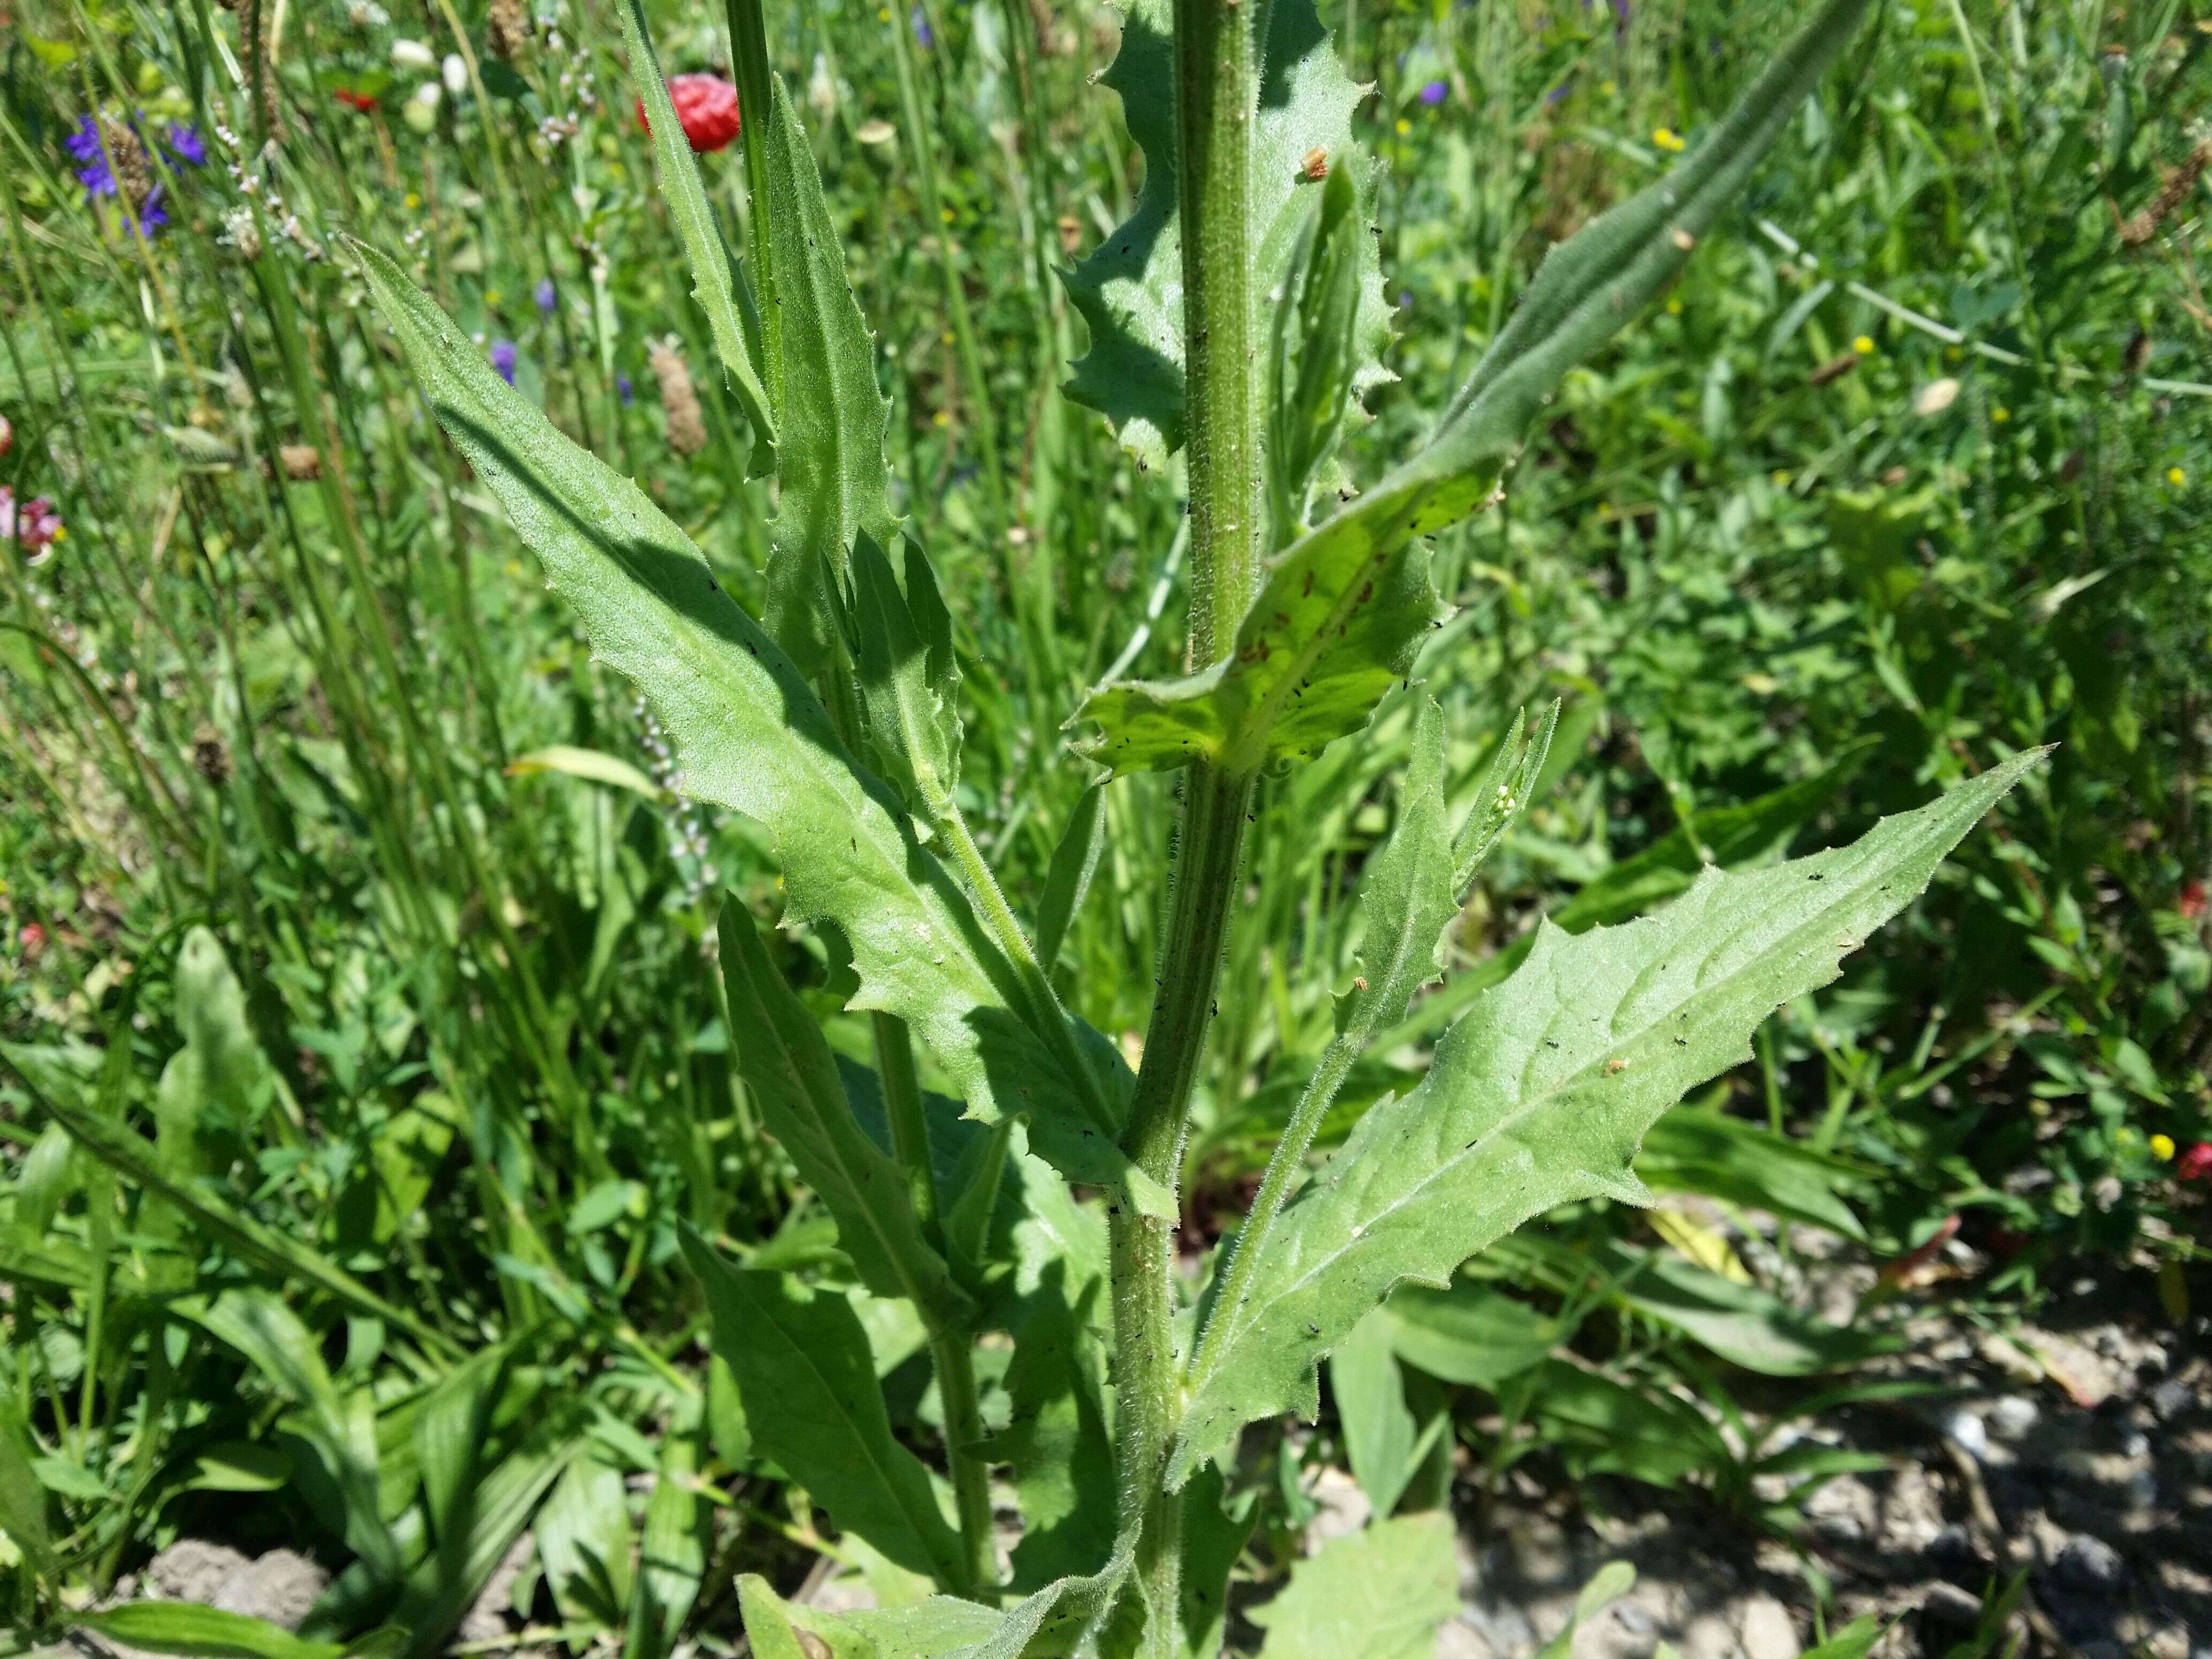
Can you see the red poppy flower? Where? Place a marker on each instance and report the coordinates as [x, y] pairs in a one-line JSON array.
[[2191, 903], [2196, 1164], [359, 100], [705, 105]]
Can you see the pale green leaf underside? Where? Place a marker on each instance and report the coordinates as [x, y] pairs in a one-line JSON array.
[[1380, 1593], [1130, 289], [1341, 611], [751, 737], [1542, 1091]]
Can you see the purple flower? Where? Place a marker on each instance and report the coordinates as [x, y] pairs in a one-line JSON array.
[[624, 390], [152, 216], [1620, 20], [922, 31], [95, 175], [503, 359], [1435, 93], [1557, 94], [186, 145], [547, 296]]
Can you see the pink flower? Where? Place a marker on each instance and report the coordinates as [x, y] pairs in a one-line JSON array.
[[35, 524], [2196, 1164], [33, 938], [705, 108], [7, 435]]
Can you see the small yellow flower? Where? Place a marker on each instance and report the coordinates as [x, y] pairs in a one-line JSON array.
[[883, 13], [1863, 345], [412, 202], [1404, 126], [1782, 479], [941, 418], [1667, 138], [2176, 476], [2161, 1147], [2001, 414], [1607, 89], [1674, 307], [945, 214], [492, 296]]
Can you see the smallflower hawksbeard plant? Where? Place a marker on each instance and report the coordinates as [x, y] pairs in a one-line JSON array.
[[1238, 319]]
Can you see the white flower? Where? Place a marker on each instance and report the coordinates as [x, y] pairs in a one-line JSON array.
[[412, 55], [456, 73]]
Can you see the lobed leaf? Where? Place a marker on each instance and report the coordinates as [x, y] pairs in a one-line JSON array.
[[1340, 612], [751, 737], [1540, 1094], [1130, 290]]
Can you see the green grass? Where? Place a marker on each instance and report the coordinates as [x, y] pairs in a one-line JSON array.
[[1909, 475]]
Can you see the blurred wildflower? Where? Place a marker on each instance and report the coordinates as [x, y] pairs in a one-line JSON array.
[[1404, 126], [367, 14], [2001, 414], [421, 111], [7, 435], [455, 74], [2196, 1164], [413, 55], [822, 88], [503, 359], [34, 525], [919, 19], [2190, 901], [548, 297], [2161, 1148], [1435, 91], [1668, 139], [2176, 476], [506, 30], [33, 938], [1936, 397], [705, 108], [361, 100], [1863, 345], [625, 389]]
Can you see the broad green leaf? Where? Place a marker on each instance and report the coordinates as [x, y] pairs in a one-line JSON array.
[[1608, 1585], [131, 1154], [899, 636], [200, 1632], [1341, 612], [1379, 1593], [805, 1374], [830, 414], [1540, 1093], [214, 1087], [716, 282], [1055, 1440], [791, 1075], [1378, 1426], [751, 737], [1599, 1426], [778, 1629], [234, 1466], [584, 1540], [1130, 290], [1468, 1333]]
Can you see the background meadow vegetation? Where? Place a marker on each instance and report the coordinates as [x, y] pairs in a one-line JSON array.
[[364, 1054]]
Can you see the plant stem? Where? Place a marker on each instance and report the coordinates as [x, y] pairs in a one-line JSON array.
[[950, 1345], [1217, 81]]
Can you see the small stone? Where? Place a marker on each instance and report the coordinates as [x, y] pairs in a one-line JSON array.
[[195, 1569], [282, 1587], [1709, 1637], [2011, 1417], [2087, 1564], [1460, 1640], [1767, 1629], [1964, 1429], [1953, 1554], [2170, 1398], [1952, 1608]]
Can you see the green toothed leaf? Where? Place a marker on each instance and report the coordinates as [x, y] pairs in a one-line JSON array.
[[751, 736], [1540, 1093], [1130, 290], [1341, 612], [716, 282]]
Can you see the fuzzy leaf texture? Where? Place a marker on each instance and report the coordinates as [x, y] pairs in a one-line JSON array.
[[1540, 1093], [899, 636], [1341, 611], [831, 416], [791, 1075], [751, 737], [717, 283], [1130, 290], [1379, 1593]]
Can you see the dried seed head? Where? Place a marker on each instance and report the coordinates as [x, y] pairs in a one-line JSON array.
[[1316, 163], [126, 159], [1071, 234], [687, 427], [506, 30], [2178, 184], [302, 462]]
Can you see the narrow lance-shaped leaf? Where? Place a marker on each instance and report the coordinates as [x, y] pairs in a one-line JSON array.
[[1341, 612], [1130, 290], [808, 1380], [751, 737], [1540, 1095], [787, 1066], [830, 414], [716, 282], [899, 637]]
